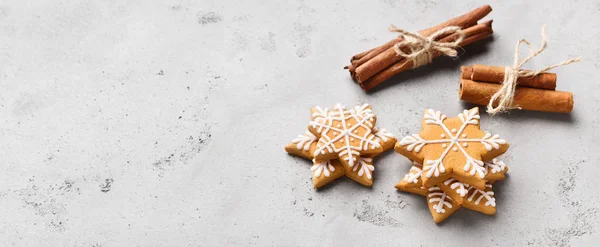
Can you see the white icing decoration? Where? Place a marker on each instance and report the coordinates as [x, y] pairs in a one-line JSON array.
[[433, 117], [324, 168], [488, 195], [365, 167], [469, 117], [461, 188], [444, 145], [490, 141], [443, 136], [381, 133], [323, 119], [475, 166], [436, 195], [413, 174], [413, 141], [435, 167], [304, 141], [465, 144], [495, 166]]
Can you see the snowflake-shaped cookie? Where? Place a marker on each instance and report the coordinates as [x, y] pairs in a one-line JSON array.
[[447, 197], [344, 134], [331, 167], [452, 147]]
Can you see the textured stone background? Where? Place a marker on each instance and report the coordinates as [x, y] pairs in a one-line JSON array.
[[160, 123]]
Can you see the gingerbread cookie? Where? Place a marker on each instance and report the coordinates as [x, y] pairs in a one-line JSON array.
[[342, 142], [344, 134], [447, 197], [452, 147]]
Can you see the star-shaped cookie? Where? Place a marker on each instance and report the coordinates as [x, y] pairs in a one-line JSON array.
[[342, 142], [447, 197], [452, 147], [344, 134]]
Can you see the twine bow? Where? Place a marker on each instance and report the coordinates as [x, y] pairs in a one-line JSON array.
[[421, 47], [506, 94]]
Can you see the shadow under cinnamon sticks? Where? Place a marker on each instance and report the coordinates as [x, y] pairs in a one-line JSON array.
[[441, 65], [524, 115]]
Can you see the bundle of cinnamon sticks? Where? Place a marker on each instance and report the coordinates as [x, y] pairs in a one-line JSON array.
[[372, 67], [479, 83]]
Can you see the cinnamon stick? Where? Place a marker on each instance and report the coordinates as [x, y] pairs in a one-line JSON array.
[[388, 57], [360, 55], [533, 99], [360, 60], [495, 74], [472, 34]]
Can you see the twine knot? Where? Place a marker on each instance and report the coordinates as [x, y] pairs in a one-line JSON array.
[[421, 47], [506, 94]]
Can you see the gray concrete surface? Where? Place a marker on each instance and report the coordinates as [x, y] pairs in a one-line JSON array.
[[162, 123]]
